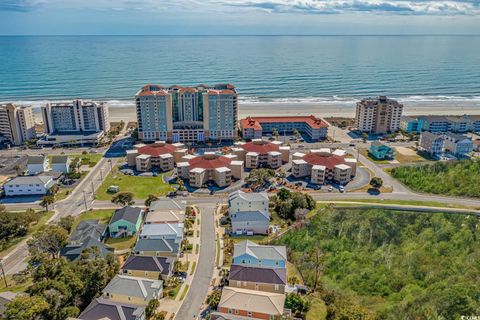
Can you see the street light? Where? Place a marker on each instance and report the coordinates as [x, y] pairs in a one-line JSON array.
[[85, 200]]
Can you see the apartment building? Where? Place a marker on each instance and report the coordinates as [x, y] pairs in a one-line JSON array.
[[156, 156], [17, 124], [260, 153], [380, 115], [77, 122], [441, 124], [312, 127], [324, 165], [210, 167], [187, 114]]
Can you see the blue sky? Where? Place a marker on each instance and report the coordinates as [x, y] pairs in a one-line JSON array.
[[171, 17]]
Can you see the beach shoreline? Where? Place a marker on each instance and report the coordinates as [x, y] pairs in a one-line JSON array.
[[126, 111]]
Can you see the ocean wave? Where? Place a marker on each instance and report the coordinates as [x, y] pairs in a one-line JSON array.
[[333, 100]]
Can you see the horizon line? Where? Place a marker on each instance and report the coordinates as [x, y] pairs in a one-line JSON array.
[[250, 35]]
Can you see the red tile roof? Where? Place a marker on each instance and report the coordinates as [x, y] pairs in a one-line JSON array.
[[260, 148], [206, 163], [157, 149], [256, 122], [327, 160]]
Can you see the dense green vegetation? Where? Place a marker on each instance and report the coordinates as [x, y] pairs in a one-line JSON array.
[[291, 205], [390, 265], [457, 178]]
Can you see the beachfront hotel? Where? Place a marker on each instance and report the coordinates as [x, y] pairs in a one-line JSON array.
[[379, 115], [255, 127], [77, 122], [17, 124], [324, 165], [187, 114]]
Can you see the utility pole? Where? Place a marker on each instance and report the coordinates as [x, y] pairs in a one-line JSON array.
[[110, 161], [93, 188], [101, 174], [3, 273], [85, 200]]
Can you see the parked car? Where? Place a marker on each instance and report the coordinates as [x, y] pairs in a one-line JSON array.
[[330, 189], [342, 189]]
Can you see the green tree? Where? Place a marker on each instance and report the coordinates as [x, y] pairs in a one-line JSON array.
[[213, 299], [66, 223], [151, 198], [24, 307], [46, 201], [48, 241], [123, 198], [283, 194], [296, 303], [151, 308], [376, 183]]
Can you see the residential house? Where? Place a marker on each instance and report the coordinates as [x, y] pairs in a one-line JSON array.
[[101, 309], [28, 185], [168, 231], [410, 124], [434, 124], [476, 145], [381, 151], [237, 303], [166, 204], [250, 254], [250, 222], [150, 267], [260, 279], [458, 145], [125, 222], [460, 124], [431, 143], [243, 201], [37, 164], [157, 247], [74, 251], [61, 164], [135, 290], [87, 229]]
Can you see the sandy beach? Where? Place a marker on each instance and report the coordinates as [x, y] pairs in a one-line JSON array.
[[127, 112]]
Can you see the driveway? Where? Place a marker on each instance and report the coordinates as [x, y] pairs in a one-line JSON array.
[[193, 302]]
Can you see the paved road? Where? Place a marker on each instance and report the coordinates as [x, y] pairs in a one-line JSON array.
[[193, 302], [80, 200]]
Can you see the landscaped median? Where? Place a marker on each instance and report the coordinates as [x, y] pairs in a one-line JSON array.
[[140, 186]]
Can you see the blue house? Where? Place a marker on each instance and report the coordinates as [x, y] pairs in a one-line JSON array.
[[381, 151], [250, 254]]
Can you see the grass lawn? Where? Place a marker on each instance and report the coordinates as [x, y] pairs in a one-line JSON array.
[[184, 292], [121, 243], [255, 238], [140, 186], [102, 215], [292, 271], [318, 309], [13, 285], [194, 265], [33, 228], [90, 159], [173, 294]]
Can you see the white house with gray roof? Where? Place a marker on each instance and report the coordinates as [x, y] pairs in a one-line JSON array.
[[172, 231], [250, 222], [60, 164], [139, 291], [248, 253], [37, 164], [243, 201], [28, 185]]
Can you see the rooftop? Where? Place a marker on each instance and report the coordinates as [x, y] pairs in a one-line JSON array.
[[108, 309], [127, 213], [255, 215], [256, 122], [328, 160], [147, 263], [261, 252], [162, 229], [158, 148], [59, 159], [134, 287], [157, 245], [253, 301], [36, 159], [262, 275], [260, 146], [209, 161], [248, 196]]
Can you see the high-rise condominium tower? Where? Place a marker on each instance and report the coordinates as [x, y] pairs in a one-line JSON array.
[[17, 123], [187, 114], [378, 115]]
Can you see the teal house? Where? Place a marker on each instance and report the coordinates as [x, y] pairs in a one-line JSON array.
[[125, 222], [381, 151]]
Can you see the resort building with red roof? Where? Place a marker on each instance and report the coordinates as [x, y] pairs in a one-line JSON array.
[[187, 114], [260, 153], [255, 127], [324, 165], [158, 155], [210, 167]]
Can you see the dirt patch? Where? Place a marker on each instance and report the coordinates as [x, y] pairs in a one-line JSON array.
[[406, 151]]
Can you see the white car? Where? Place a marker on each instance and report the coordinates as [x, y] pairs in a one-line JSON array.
[[342, 189], [330, 189]]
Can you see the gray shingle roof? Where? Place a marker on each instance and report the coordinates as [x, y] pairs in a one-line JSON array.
[[59, 159], [261, 252], [134, 287], [127, 213], [87, 228], [261, 275], [166, 205], [250, 216], [74, 251], [36, 160], [108, 309], [157, 245], [249, 196], [146, 263], [30, 180]]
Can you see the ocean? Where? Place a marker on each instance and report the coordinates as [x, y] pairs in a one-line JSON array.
[[316, 69]]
